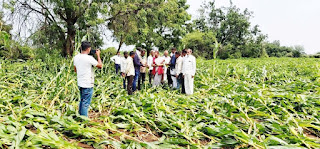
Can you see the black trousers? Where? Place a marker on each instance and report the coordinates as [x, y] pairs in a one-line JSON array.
[[169, 76], [142, 78], [129, 84], [150, 76], [181, 79]]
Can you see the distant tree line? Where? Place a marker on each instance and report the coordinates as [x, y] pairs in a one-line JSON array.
[[232, 28]]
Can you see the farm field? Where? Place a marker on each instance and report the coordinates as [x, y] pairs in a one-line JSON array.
[[247, 103]]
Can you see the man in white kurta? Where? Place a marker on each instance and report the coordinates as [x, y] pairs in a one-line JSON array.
[[150, 63], [167, 59], [189, 70], [159, 62], [123, 66]]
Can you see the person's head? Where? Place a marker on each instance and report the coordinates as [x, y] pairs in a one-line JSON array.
[[177, 54], [143, 52], [184, 52], [166, 53], [125, 54], [132, 54], [189, 51], [156, 54], [152, 53], [173, 50], [139, 49], [85, 47], [118, 53]]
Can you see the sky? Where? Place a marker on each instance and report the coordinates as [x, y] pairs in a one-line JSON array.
[[292, 22]]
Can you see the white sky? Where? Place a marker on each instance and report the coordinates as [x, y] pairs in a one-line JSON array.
[[293, 22]]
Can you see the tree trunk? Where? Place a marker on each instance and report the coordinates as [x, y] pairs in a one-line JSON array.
[[69, 42], [120, 44]]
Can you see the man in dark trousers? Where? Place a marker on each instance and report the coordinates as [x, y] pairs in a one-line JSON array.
[[123, 67], [142, 76], [129, 72], [137, 66], [171, 66]]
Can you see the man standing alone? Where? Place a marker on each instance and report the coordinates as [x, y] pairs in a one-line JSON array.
[[85, 75], [117, 61], [189, 70]]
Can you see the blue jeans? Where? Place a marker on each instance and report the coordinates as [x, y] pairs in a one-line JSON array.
[[135, 80], [117, 68], [86, 95], [124, 82]]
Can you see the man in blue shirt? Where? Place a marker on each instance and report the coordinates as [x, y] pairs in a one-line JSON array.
[[172, 65], [137, 66]]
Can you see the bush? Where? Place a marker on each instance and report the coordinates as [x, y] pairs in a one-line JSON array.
[[10, 49]]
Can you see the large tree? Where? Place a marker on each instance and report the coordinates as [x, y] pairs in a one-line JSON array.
[[57, 21], [149, 23], [232, 29]]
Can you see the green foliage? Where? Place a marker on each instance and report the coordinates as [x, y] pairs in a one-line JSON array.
[[201, 43], [149, 23], [10, 49], [59, 20], [238, 38], [251, 103]]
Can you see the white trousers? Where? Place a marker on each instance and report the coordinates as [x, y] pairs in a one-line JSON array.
[[188, 84], [174, 82], [157, 80]]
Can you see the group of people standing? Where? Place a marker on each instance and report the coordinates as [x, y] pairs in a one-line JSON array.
[[177, 70]]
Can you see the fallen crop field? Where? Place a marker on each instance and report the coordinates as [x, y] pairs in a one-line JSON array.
[[250, 103]]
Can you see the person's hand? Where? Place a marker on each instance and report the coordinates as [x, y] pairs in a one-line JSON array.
[[98, 52], [177, 76]]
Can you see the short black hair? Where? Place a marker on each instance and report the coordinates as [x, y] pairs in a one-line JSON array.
[[132, 53], [184, 51], [85, 45], [139, 48], [125, 52], [174, 48], [178, 53]]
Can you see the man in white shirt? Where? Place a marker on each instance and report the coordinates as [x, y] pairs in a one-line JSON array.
[[83, 66], [149, 63], [117, 61], [123, 66], [158, 69], [189, 70], [130, 72], [142, 76], [167, 59]]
